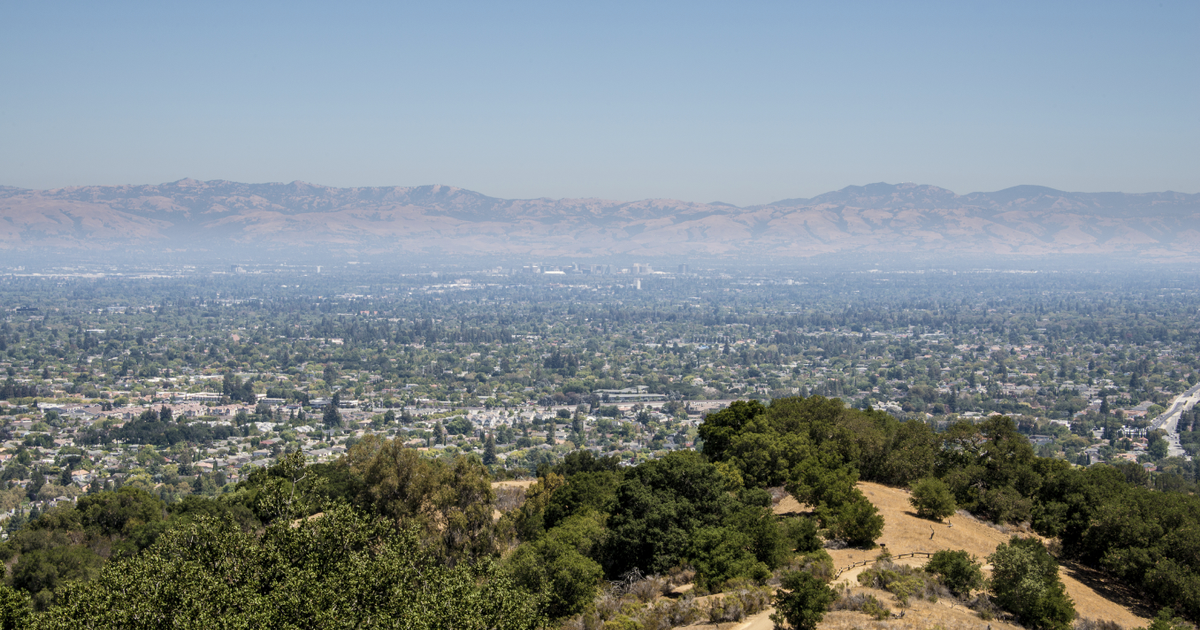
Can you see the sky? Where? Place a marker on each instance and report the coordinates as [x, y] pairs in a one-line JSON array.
[[739, 102]]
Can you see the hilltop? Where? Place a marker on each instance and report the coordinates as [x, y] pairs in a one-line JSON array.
[[904, 533]]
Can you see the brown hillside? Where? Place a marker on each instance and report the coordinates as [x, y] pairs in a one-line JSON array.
[[904, 532]]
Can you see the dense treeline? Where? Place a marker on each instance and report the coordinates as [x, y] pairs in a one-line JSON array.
[[152, 428]]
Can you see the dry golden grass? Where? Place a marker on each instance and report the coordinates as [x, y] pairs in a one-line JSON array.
[[514, 483], [903, 533]]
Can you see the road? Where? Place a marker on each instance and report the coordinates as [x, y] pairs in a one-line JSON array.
[[1169, 420]]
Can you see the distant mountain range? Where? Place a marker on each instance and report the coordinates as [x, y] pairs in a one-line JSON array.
[[190, 215]]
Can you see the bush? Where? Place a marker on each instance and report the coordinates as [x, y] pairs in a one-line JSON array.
[[932, 499], [902, 581], [958, 570], [1025, 582], [857, 522], [804, 603], [741, 598], [721, 554], [863, 603], [1166, 620], [14, 608], [801, 533], [817, 563], [1005, 505], [1097, 624]]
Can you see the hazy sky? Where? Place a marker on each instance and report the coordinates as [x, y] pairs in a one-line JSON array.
[[743, 102]]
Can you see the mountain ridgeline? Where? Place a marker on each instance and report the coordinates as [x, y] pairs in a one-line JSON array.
[[195, 216]]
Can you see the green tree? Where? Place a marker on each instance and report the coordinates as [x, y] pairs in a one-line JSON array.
[[14, 609], [489, 451], [331, 417], [583, 492], [1166, 620], [958, 570], [659, 506], [1025, 582], [857, 522], [1157, 446], [557, 565], [721, 554], [932, 499], [803, 602], [719, 429]]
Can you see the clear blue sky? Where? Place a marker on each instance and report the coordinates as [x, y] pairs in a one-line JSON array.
[[743, 102]]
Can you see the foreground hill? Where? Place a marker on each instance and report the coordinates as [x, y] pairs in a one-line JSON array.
[[190, 215], [904, 533]]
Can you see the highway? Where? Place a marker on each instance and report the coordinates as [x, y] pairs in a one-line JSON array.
[[1169, 420]]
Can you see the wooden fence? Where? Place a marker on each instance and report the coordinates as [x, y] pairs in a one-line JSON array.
[[863, 563]]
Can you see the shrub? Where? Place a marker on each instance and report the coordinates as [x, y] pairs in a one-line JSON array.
[[801, 533], [722, 554], [667, 615], [958, 570], [1097, 624], [902, 581], [857, 522], [1025, 582], [932, 499], [804, 603], [1166, 620], [863, 603], [817, 563], [648, 588], [983, 606]]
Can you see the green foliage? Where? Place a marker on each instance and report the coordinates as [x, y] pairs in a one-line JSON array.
[[804, 602], [451, 502], [1166, 620], [14, 609], [900, 580], [119, 512], [911, 454], [740, 599], [857, 522], [340, 569], [932, 499], [959, 571], [813, 446], [72, 542], [991, 469], [801, 533], [1025, 582], [721, 554], [530, 520], [44, 572], [719, 429], [864, 603], [660, 505], [1148, 539], [583, 491], [331, 417], [558, 568]]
